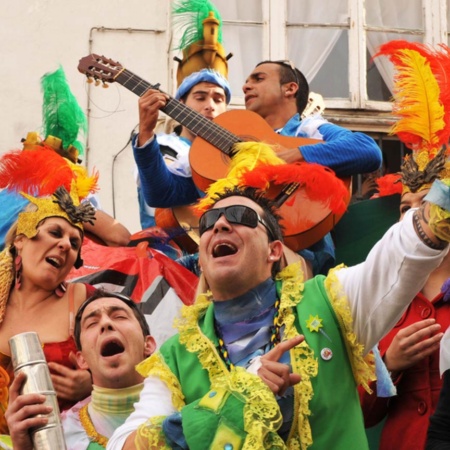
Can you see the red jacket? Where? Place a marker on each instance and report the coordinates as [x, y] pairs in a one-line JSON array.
[[417, 387]]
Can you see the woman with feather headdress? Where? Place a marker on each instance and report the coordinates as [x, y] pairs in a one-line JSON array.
[[63, 124], [41, 248], [46, 227], [411, 350]]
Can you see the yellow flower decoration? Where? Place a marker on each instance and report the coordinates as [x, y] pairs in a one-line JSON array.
[[314, 323]]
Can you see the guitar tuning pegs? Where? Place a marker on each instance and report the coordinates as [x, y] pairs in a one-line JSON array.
[[89, 80], [97, 82], [105, 85]]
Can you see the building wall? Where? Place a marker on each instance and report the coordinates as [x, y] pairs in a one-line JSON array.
[[39, 35]]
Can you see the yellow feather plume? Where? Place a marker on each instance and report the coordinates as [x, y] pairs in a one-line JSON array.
[[417, 101], [248, 155], [84, 183]]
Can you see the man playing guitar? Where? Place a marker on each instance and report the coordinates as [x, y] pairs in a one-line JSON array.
[[165, 186], [279, 92]]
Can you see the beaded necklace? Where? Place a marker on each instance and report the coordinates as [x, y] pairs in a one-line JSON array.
[[274, 336], [90, 428]]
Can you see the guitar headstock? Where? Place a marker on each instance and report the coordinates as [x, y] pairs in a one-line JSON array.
[[315, 104], [99, 68]]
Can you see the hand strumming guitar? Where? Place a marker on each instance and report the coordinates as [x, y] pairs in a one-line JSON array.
[[290, 155], [149, 105]]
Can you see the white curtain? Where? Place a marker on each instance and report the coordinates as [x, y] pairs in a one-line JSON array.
[[310, 47], [244, 41], [392, 14]]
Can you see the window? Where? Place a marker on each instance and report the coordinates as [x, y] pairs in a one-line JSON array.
[[332, 43]]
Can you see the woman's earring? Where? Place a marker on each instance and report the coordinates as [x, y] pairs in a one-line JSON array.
[[61, 289], [18, 271]]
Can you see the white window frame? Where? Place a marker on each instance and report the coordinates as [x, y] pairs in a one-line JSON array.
[[275, 24]]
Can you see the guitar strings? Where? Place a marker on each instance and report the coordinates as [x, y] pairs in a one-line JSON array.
[[92, 102], [205, 128]]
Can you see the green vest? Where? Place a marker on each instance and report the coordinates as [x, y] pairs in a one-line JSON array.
[[95, 446], [336, 418]]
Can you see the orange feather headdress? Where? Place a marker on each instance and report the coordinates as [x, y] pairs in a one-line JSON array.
[[422, 105], [52, 183]]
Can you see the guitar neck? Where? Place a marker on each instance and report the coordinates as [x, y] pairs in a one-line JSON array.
[[197, 124]]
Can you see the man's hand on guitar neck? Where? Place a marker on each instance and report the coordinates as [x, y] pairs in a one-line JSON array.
[[290, 155], [149, 105]]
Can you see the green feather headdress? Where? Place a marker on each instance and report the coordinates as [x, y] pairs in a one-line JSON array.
[[201, 26], [189, 15], [63, 117]]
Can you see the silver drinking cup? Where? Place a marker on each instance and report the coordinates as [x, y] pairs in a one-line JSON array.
[[27, 356], [26, 348]]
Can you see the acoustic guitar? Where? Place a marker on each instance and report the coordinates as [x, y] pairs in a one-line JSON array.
[[304, 221], [180, 218]]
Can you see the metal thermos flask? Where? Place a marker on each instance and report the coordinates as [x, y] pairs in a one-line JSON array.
[[27, 356]]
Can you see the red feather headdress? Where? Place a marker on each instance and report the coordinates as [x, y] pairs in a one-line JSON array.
[[422, 105], [52, 183]]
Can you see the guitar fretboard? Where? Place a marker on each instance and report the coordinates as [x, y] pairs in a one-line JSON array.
[[201, 126]]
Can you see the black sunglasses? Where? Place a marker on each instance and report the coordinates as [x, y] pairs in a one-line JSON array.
[[237, 214], [291, 65]]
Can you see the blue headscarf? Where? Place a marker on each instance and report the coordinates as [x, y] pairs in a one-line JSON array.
[[204, 75]]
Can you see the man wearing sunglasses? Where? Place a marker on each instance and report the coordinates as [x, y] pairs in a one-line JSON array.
[[279, 93], [112, 336], [271, 361]]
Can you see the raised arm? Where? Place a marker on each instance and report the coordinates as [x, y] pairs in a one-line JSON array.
[[160, 187], [380, 289], [108, 230]]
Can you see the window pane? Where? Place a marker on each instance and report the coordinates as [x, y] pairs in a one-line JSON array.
[[376, 87], [394, 13], [245, 42], [317, 11], [379, 70], [324, 64], [320, 51], [240, 10]]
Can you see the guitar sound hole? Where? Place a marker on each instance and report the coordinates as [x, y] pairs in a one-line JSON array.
[[243, 138], [225, 158]]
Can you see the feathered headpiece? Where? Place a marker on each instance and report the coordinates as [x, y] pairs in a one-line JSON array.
[[55, 186], [63, 118], [50, 182], [422, 103], [256, 164], [389, 184], [201, 41]]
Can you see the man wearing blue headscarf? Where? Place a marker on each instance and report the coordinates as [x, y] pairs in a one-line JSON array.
[[167, 185]]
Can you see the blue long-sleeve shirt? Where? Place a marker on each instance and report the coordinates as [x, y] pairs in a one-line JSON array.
[[346, 152], [160, 187]]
